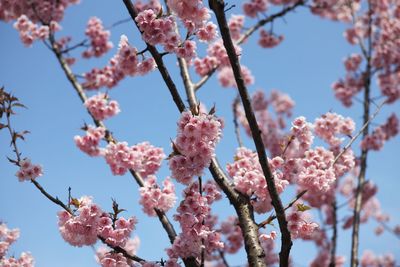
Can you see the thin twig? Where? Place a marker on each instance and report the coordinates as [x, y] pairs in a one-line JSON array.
[[235, 106], [222, 255], [370, 119], [288, 206], [122, 251]]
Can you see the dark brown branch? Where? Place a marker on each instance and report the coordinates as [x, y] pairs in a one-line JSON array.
[[80, 44], [122, 251], [218, 7], [288, 206], [55, 200], [334, 235], [222, 255], [364, 152], [235, 106]]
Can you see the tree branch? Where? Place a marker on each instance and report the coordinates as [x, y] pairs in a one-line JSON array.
[[364, 152], [288, 206], [348, 145], [218, 7]]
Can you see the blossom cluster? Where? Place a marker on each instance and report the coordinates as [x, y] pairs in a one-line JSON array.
[[194, 146], [217, 58], [193, 13], [249, 179], [267, 242], [153, 197], [269, 40], [236, 24], [142, 158], [8, 237], [101, 107], [125, 63], [45, 10], [90, 142], [34, 23], [197, 230], [230, 229], [99, 39], [300, 225], [28, 171], [329, 125], [369, 259], [89, 221], [29, 31], [381, 134]]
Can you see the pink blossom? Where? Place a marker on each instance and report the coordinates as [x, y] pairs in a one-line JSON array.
[[253, 7], [90, 142], [25, 260], [142, 158], [269, 40], [28, 171], [193, 11], [330, 125], [101, 107], [195, 145], [153, 197], [80, 229], [208, 32], [249, 179], [7, 237], [99, 39], [353, 62], [381, 134], [196, 231], [300, 225], [227, 79], [235, 24], [230, 229]]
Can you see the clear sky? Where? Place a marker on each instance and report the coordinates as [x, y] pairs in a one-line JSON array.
[[305, 65]]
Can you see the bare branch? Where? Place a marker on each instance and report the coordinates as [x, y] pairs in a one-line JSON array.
[[288, 206], [235, 106], [371, 118]]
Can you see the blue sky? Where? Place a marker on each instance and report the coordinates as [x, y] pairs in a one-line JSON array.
[[305, 65]]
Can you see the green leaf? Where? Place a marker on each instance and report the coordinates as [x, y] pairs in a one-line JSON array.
[[301, 207]]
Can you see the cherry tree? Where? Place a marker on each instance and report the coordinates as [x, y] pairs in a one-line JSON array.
[[288, 177]]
